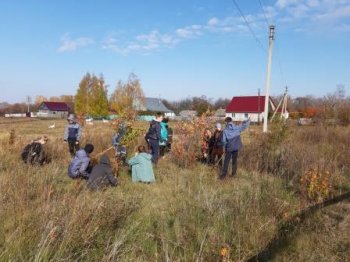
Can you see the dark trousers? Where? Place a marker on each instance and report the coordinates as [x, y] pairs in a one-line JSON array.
[[73, 147], [154, 144], [228, 156]]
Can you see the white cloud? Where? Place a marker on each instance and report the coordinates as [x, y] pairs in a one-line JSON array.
[[70, 45], [335, 14], [191, 31], [313, 3], [312, 15], [284, 3], [213, 21], [141, 43], [298, 15]]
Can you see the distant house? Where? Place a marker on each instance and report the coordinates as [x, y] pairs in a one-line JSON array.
[[154, 105], [53, 110], [188, 114], [221, 112], [242, 107]]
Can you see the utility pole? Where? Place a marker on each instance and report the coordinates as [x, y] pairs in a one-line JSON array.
[[259, 106], [267, 95], [284, 105], [28, 103]]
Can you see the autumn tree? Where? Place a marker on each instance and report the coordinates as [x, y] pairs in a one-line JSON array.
[[201, 105], [91, 97], [39, 99], [128, 98], [98, 102]]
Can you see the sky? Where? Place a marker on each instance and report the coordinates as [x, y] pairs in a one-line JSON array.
[[178, 49]]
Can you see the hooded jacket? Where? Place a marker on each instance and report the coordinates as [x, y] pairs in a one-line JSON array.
[[231, 137], [72, 132], [154, 130], [142, 169], [102, 175], [79, 165]]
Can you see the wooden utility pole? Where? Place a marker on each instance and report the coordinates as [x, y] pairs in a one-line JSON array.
[[267, 95]]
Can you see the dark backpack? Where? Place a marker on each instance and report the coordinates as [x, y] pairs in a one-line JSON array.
[[25, 152], [152, 131], [33, 154]]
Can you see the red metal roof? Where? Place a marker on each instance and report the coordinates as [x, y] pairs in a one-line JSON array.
[[56, 106], [246, 104]]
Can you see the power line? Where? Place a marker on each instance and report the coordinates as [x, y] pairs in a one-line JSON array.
[[248, 25], [263, 9], [277, 51]]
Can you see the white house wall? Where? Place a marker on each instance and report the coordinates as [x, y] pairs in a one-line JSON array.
[[254, 117]]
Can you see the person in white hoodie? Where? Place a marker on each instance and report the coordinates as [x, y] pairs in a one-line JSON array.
[[231, 139]]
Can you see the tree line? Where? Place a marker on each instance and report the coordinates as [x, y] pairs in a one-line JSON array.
[[92, 99]]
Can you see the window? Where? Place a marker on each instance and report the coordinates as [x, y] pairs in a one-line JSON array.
[[246, 115]]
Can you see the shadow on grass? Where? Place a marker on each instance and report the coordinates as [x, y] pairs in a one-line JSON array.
[[287, 229]]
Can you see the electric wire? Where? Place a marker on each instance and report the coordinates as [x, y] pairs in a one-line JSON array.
[[248, 25], [263, 9]]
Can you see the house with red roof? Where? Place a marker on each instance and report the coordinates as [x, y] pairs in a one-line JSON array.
[[53, 110], [242, 107]]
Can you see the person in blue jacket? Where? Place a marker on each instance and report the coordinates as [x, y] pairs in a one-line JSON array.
[[141, 166], [80, 166], [72, 134], [231, 139]]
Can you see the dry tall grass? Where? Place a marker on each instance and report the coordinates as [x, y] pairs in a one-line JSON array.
[[187, 215]]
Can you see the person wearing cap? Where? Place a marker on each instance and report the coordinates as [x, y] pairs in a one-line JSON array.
[[216, 145], [72, 134], [34, 152], [231, 139], [80, 166]]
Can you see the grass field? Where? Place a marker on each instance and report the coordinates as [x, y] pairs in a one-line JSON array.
[[187, 215]]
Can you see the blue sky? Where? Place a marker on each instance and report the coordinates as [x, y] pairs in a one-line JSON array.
[[178, 49]]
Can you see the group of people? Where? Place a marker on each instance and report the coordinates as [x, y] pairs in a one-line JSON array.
[[101, 175], [222, 146], [158, 139], [218, 148]]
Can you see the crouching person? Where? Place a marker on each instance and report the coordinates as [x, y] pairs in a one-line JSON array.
[[101, 175], [80, 166], [141, 166], [34, 153]]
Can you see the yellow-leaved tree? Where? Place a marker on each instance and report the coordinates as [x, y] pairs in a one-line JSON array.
[[91, 98], [128, 98]]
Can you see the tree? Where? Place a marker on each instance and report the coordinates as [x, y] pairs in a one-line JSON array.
[[201, 105], [91, 98], [221, 103], [128, 98], [39, 99], [98, 102]]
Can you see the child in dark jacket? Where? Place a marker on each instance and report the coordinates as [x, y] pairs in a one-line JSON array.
[[102, 175], [34, 152], [72, 134]]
